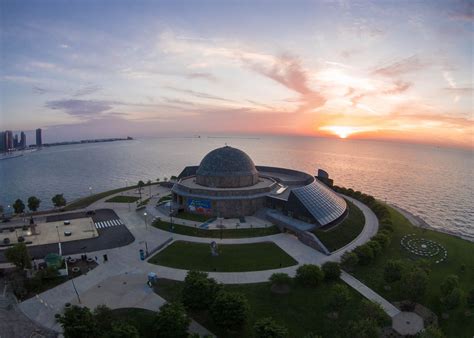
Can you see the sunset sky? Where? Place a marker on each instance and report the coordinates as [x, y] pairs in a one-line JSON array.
[[399, 70]]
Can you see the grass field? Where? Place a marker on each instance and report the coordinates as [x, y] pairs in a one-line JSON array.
[[345, 232], [142, 319], [123, 199], [231, 258], [302, 310], [193, 217], [460, 252], [86, 201], [216, 233]]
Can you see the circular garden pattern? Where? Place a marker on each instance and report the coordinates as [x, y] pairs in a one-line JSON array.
[[424, 247]]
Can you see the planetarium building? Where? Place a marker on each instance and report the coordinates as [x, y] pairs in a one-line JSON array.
[[228, 184]]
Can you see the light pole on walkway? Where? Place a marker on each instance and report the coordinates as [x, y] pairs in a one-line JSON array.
[[146, 223], [59, 242]]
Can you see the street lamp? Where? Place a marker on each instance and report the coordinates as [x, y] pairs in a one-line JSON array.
[[146, 223], [90, 191], [59, 242]]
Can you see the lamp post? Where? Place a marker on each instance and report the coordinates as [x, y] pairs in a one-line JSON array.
[[146, 223], [90, 191], [59, 242]]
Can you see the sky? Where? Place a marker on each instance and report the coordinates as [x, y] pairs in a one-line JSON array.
[[386, 70]]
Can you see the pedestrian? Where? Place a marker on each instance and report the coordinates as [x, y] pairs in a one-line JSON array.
[[96, 259]]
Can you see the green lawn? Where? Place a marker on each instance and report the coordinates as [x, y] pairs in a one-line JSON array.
[[193, 217], [302, 310], [345, 232], [460, 252], [231, 258], [142, 319], [123, 199], [216, 233]]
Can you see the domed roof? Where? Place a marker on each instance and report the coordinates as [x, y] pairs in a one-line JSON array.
[[222, 166]]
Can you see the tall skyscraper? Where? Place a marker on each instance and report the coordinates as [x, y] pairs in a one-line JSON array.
[[39, 141], [8, 140], [2, 141], [22, 140], [15, 141]]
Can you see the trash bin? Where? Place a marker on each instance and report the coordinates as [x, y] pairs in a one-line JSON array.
[[152, 278], [106, 258], [142, 254]]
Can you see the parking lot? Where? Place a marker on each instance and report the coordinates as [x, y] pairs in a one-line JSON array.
[[112, 233]]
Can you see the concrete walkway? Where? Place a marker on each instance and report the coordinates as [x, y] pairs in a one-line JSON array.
[[124, 261], [370, 294]]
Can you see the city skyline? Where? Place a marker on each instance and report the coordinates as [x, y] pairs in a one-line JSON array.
[[347, 69]]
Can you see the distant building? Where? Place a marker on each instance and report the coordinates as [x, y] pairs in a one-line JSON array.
[[39, 140], [8, 140], [22, 140], [15, 142], [2, 141]]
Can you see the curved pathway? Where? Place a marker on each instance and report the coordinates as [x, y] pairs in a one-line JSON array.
[[125, 261]]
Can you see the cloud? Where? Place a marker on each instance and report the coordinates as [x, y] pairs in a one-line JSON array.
[[462, 10], [460, 91], [80, 108], [87, 90], [397, 87], [287, 71], [401, 67], [205, 76], [198, 94], [40, 90]]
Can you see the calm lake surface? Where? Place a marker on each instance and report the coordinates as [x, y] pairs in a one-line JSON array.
[[434, 183]]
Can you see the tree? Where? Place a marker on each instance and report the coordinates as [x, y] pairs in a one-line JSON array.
[[268, 328], [349, 260], [140, 186], [78, 322], [414, 284], [280, 279], [33, 203], [199, 291], [331, 270], [103, 317], [1, 209], [375, 246], [393, 271], [374, 312], [58, 200], [18, 206], [122, 330], [449, 284], [172, 321], [453, 299], [19, 256], [229, 310], [340, 295], [365, 254], [432, 332], [383, 239], [364, 328], [470, 298], [309, 275]]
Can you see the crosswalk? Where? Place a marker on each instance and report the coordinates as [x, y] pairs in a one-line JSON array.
[[108, 223]]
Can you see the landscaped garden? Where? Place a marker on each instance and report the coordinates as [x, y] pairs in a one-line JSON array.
[[310, 306], [123, 199], [193, 217], [230, 258], [342, 234], [215, 233], [415, 265]]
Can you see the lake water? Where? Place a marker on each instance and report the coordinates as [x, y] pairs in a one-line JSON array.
[[434, 183]]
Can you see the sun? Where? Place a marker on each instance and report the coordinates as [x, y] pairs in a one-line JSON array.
[[341, 131]]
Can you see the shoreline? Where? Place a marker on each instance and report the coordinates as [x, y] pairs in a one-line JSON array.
[[419, 222]]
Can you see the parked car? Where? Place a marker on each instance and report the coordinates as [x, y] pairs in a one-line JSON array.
[[90, 212], [21, 239], [67, 233], [67, 222], [6, 240]]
